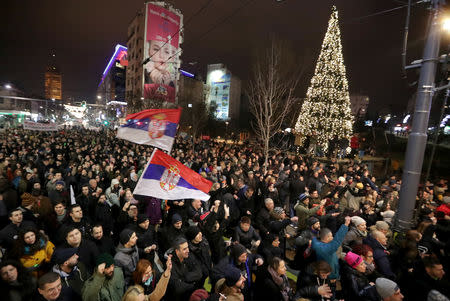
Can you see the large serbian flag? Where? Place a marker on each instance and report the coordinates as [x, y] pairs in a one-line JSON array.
[[168, 179], [156, 127]]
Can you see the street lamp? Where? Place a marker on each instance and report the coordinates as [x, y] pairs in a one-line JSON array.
[[8, 86], [226, 129], [99, 97]]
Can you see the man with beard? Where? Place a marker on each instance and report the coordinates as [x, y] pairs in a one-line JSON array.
[[72, 273], [107, 282]]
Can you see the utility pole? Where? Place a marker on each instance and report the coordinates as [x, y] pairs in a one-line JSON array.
[[417, 139]]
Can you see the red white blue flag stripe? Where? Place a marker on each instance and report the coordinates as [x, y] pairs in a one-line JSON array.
[[168, 179], [156, 127]]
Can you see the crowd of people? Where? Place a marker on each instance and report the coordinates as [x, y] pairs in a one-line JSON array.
[[71, 228]]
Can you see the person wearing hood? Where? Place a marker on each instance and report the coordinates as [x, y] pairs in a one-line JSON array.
[[356, 234], [59, 193], [355, 284], [127, 254], [72, 272], [114, 192], [313, 284], [270, 247]]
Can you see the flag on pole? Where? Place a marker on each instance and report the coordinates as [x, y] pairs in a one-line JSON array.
[[72, 196], [168, 179], [156, 127]]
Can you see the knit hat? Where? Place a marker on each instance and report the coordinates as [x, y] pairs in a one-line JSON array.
[[446, 199], [302, 197], [199, 295], [277, 212], [141, 218], [105, 258], [356, 220], [232, 275], [114, 182], [382, 225], [359, 186], [353, 259], [237, 250], [27, 199], [434, 295], [60, 183], [125, 235], [311, 221], [61, 255], [385, 287], [192, 232], [176, 218]]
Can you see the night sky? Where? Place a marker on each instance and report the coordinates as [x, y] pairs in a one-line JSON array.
[[83, 34]]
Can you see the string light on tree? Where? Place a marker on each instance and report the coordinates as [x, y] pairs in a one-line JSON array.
[[326, 111]]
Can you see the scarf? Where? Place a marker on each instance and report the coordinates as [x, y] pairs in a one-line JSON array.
[[361, 233], [282, 283]]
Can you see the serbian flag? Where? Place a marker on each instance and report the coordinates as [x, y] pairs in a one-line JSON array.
[[168, 179], [156, 127]]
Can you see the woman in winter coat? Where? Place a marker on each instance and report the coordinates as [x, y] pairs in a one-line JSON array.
[[355, 284], [314, 284], [356, 234], [33, 250], [273, 284]]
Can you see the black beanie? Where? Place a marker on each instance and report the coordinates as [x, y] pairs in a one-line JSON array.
[[141, 218], [176, 218], [311, 221], [192, 232], [125, 235], [105, 258], [232, 275], [238, 250]]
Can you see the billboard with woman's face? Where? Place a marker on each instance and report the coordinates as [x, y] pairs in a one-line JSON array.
[[161, 51]]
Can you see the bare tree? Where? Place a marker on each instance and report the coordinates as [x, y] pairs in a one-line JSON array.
[[271, 92]]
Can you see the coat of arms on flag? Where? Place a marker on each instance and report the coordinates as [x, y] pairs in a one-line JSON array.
[[168, 179], [156, 127]]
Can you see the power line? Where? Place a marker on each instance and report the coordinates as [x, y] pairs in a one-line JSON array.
[[180, 28], [223, 21], [385, 11]]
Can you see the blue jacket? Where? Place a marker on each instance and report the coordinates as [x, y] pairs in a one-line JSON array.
[[327, 251]]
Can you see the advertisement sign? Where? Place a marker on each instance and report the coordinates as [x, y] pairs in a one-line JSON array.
[[161, 43], [36, 126], [219, 80]]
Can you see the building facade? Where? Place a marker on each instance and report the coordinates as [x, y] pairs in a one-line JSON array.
[[53, 83], [224, 92], [112, 84]]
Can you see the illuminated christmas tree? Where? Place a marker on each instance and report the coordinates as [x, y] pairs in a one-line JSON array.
[[326, 111]]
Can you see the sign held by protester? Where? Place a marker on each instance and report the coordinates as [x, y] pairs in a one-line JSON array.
[[168, 179], [37, 126], [155, 127]]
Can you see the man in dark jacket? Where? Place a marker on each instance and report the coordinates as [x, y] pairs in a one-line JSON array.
[[127, 255], [199, 248], [432, 279], [86, 249], [77, 220], [169, 233], [103, 242], [146, 238], [378, 242], [10, 233], [263, 218], [186, 272], [246, 235], [72, 273]]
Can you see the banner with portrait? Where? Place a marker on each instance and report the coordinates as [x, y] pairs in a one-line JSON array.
[[161, 51]]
